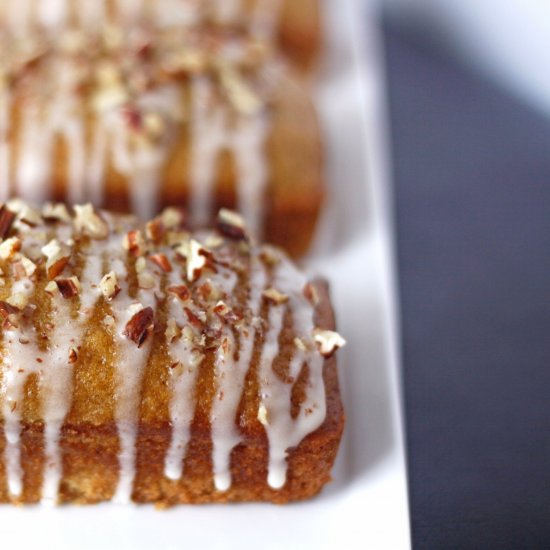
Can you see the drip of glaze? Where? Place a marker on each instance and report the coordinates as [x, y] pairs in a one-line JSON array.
[[212, 134], [230, 376], [181, 406], [21, 359], [282, 430], [130, 367], [56, 380], [183, 384], [40, 128]]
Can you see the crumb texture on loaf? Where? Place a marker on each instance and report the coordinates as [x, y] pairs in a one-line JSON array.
[[179, 350]]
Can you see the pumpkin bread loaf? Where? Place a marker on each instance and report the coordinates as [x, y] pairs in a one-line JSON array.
[[144, 362]]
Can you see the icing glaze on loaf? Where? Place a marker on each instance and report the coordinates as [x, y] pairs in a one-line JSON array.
[[21, 16], [78, 105], [211, 291]]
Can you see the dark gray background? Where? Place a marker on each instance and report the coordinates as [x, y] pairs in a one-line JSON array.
[[472, 171]]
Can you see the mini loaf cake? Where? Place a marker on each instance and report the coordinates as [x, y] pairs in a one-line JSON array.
[[136, 119], [291, 25], [147, 363]]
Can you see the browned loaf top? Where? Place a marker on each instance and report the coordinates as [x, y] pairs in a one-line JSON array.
[[145, 362]]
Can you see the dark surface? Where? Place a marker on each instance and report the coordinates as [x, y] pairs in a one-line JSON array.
[[472, 169]]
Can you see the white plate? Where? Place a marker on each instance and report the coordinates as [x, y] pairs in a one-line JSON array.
[[366, 505]]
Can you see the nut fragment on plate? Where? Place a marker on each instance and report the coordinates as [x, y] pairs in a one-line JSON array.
[[328, 341]]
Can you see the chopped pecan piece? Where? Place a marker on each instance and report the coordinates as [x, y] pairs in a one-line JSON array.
[[133, 242], [173, 331], [274, 296], [109, 286], [328, 341], [155, 230], [310, 292], [162, 261], [140, 326], [69, 288], [25, 215], [194, 318], [146, 280], [8, 314], [73, 355], [173, 218], [9, 247], [181, 291], [7, 217], [231, 225], [222, 310], [262, 415], [196, 260], [88, 222], [58, 257], [56, 213]]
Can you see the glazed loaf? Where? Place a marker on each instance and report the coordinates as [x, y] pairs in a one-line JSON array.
[[146, 363], [290, 25], [137, 119]]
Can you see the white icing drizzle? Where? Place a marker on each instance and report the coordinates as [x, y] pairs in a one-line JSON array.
[[230, 376], [181, 406], [20, 360], [56, 379], [213, 134], [283, 431], [130, 366]]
